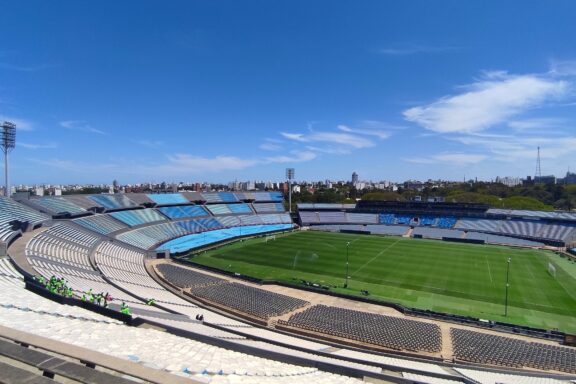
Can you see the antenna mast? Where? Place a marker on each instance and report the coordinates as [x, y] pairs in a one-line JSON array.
[[538, 173]]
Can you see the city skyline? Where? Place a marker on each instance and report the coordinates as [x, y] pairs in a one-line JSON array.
[[220, 91]]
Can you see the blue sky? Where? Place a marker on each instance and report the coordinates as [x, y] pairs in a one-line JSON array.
[[240, 90]]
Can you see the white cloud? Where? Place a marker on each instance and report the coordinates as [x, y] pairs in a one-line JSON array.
[[270, 147], [563, 68], [150, 143], [538, 124], [81, 126], [457, 159], [487, 103], [198, 164], [295, 157], [24, 68], [36, 146], [378, 133], [21, 124], [406, 49], [345, 139]]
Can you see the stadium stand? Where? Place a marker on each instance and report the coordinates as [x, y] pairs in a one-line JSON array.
[[184, 211], [219, 197], [16, 217], [25, 311], [505, 240], [187, 278], [361, 218], [437, 233], [484, 348], [103, 224], [125, 267], [55, 205], [199, 240], [167, 198], [82, 201], [268, 207], [256, 302], [387, 331], [137, 217], [519, 213], [113, 202]]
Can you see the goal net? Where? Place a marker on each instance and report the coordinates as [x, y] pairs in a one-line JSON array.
[[551, 269], [269, 238]]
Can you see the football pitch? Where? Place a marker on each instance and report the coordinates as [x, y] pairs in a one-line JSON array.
[[457, 278]]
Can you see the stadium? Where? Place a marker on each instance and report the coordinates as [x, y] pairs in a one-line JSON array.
[[229, 287]]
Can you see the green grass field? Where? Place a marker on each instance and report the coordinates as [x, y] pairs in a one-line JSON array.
[[457, 278]]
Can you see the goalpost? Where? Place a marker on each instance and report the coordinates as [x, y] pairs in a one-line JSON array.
[[551, 269], [269, 238]]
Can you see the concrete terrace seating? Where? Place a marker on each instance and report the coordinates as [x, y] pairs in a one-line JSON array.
[[138, 217], [202, 239], [58, 205], [25, 311], [486, 377], [481, 225], [185, 211], [309, 217], [505, 351], [268, 207], [387, 331], [142, 199], [436, 233], [116, 201], [387, 218], [103, 224], [242, 208], [219, 197], [11, 210], [496, 239], [361, 218], [81, 201], [125, 267], [187, 278], [335, 217], [253, 301], [167, 198], [535, 214], [260, 196], [219, 209]]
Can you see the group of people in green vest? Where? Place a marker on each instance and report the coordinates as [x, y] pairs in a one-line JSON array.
[[60, 286], [55, 285]]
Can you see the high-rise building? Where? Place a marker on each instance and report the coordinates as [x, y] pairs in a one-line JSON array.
[[354, 178]]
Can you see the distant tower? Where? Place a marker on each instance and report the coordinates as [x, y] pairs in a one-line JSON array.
[[354, 178], [7, 142], [538, 173], [290, 177]]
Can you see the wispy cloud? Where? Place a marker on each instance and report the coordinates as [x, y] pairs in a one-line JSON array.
[[80, 126], [563, 68], [539, 124], [405, 49], [21, 124], [150, 143], [36, 146], [488, 102], [294, 157], [378, 133], [456, 159], [345, 139], [198, 164], [272, 145], [24, 68]]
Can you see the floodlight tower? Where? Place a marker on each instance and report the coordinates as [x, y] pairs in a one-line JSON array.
[[7, 142], [538, 173], [290, 177]]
